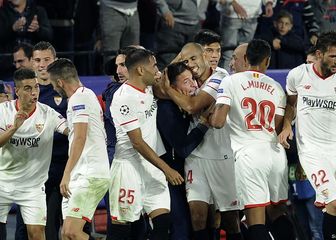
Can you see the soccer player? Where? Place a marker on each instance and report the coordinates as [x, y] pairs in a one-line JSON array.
[[86, 176], [238, 61], [311, 97], [138, 174], [255, 106], [209, 170], [173, 125], [210, 41], [26, 137]]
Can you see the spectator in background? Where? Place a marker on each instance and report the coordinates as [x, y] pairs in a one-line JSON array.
[[311, 55], [21, 21], [325, 14], [178, 22], [22, 55], [6, 94], [61, 16], [287, 46], [120, 25], [238, 23]]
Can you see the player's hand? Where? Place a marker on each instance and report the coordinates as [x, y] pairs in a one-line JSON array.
[[285, 134], [240, 11], [169, 19], [64, 186], [19, 24], [34, 25], [20, 117], [173, 177]]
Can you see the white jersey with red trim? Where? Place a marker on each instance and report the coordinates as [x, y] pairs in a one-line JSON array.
[[84, 107], [316, 109], [25, 159], [133, 108], [254, 100], [216, 142]]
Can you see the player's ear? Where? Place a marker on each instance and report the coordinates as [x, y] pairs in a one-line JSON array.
[[140, 70], [318, 54]]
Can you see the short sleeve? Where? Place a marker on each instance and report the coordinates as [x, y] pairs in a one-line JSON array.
[[280, 110], [224, 95], [60, 122], [290, 82], [2, 119], [211, 87], [80, 108], [124, 113]]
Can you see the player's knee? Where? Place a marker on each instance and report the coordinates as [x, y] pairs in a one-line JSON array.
[[199, 220], [331, 207], [230, 221], [69, 233], [35, 232]]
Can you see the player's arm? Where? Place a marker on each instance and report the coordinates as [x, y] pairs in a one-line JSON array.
[[286, 131], [141, 146], [20, 117], [191, 104], [66, 131], [218, 118], [76, 149]]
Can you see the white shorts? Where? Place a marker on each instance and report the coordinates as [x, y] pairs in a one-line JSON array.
[[262, 175], [136, 186], [86, 193], [211, 180], [321, 172], [32, 203]]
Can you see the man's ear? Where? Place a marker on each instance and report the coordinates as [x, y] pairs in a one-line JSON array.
[[140, 70], [318, 54]]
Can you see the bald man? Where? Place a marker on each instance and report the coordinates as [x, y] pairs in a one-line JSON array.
[[209, 169], [238, 62]]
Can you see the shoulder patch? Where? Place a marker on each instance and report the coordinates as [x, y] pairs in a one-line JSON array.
[[218, 81], [78, 107]]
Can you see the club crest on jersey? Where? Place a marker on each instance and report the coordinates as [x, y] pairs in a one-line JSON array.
[[78, 107], [124, 110], [39, 127], [57, 100]]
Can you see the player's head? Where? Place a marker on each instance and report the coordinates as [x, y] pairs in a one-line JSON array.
[[284, 22], [22, 55], [238, 61], [121, 68], [26, 86], [210, 42], [3, 94], [141, 63], [258, 53], [181, 78], [192, 55], [62, 74], [311, 55], [43, 54], [326, 52]]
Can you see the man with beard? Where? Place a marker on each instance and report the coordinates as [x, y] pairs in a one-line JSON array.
[[311, 98]]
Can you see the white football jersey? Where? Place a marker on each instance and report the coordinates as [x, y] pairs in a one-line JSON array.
[[254, 100], [25, 159], [133, 108], [316, 109], [216, 142], [83, 107]]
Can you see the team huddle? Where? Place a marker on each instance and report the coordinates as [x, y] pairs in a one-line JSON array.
[[232, 131]]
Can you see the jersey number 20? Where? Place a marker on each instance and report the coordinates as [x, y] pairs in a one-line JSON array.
[[264, 112]]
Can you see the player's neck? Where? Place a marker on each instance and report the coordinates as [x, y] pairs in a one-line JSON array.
[[28, 108], [71, 88], [206, 74], [323, 73], [257, 69], [43, 81], [137, 84]]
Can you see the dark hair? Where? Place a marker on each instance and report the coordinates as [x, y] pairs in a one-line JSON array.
[[127, 50], [2, 87], [63, 69], [175, 69], [26, 48], [110, 67], [326, 40], [311, 51], [23, 74], [257, 50], [40, 46], [284, 14], [206, 37], [136, 56]]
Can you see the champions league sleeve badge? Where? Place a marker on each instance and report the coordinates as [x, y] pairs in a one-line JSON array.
[[124, 110]]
